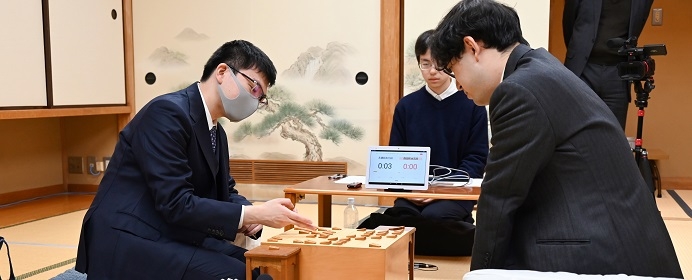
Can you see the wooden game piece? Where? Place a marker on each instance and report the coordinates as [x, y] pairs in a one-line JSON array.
[[360, 238], [332, 238], [326, 242], [376, 237], [311, 236], [361, 229], [374, 245], [391, 236], [336, 228], [273, 248], [311, 242], [303, 232], [351, 236], [297, 241]]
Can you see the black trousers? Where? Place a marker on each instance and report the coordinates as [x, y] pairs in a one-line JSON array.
[[457, 210], [218, 259], [605, 81]]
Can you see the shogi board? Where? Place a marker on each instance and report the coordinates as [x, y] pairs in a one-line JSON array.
[[334, 253]]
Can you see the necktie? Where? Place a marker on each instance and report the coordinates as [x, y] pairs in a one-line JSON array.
[[212, 133]]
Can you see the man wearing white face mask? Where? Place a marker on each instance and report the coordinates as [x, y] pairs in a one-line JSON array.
[[167, 204]]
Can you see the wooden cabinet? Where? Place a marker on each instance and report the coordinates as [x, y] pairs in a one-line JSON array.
[[87, 52], [22, 73]]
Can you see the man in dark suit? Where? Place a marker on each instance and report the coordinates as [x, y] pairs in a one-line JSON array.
[[167, 206], [587, 26], [562, 191]]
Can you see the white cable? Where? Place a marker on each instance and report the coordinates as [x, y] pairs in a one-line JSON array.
[[437, 178]]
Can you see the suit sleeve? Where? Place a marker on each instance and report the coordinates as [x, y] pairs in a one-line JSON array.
[[161, 147], [522, 143], [475, 152], [569, 15]]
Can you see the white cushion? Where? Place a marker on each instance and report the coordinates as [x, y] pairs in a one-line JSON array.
[[502, 274]]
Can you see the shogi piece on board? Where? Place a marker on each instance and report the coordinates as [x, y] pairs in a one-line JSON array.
[[281, 263], [347, 255]]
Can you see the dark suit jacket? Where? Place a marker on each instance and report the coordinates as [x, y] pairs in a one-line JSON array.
[[580, 24], [164, 195], [562, 191]]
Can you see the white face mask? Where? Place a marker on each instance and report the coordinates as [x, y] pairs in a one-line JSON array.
[[240, 107]]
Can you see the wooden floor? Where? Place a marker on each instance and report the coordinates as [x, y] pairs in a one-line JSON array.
[[47, 247], [24, 212]]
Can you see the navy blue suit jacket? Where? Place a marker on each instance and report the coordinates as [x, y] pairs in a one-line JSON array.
[[164, 195]]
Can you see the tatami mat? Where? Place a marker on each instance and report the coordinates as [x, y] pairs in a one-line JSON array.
[[670, 209], [47, 247]]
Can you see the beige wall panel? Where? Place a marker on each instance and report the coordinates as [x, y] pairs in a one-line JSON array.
[[30, 158], [173, 39], [87, 52], [21, 52]]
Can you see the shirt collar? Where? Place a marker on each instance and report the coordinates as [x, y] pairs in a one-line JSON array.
[[451, 89], [210, 123]]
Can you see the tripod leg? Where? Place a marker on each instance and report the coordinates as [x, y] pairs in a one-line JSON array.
[[645, 169]]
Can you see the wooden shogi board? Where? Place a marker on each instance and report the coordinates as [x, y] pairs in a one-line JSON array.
[[334, 253]]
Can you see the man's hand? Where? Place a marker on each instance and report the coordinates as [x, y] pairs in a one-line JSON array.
[[276, 213]]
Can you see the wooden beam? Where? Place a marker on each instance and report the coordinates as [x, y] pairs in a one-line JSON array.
[[129, 51], [391, 53], [62, 112]]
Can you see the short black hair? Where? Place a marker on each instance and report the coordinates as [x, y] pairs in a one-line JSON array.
[[241, 54], [423, 43], [493, 23]]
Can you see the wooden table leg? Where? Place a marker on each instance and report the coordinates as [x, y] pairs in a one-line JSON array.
[[411, 254], [324, 210], [656, 176], [294, 200]]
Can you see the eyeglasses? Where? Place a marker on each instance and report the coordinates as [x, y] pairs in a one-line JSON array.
[[426, 66], [446, 71], [256, 88]]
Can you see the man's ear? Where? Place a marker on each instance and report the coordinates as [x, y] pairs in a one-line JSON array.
[[473, 46], [220, 71]]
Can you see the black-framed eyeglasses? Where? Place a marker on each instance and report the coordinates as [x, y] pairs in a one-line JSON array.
[[256, 88], [446, 71]]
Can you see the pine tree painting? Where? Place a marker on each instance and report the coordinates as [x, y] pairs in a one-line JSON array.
[[307, 124]]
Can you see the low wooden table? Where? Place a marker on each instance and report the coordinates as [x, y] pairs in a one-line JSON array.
[[324, 188], [385, 253]]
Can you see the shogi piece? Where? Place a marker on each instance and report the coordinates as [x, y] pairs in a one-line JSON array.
[[281, 263]]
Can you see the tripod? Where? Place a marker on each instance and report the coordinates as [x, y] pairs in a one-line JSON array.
[[640, 154]]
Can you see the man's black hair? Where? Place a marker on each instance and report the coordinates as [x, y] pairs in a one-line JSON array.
[[423, 43], [241, 54], [494, 24]]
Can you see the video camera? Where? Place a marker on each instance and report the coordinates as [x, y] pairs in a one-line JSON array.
[[639, 65]]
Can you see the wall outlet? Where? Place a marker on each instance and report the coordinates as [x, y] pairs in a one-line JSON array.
[[74, 165], [657, 17], [106, 161], [91, 165]]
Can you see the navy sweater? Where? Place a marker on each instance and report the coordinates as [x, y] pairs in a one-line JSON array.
[[455, 129]]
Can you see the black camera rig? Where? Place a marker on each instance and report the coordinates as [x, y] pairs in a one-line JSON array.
[[639, 65], [639, 68]]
